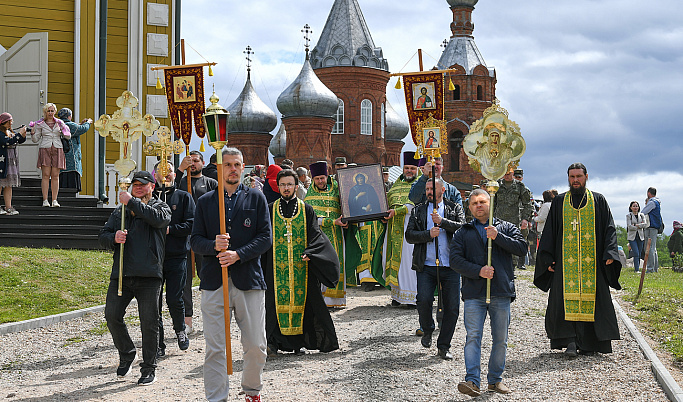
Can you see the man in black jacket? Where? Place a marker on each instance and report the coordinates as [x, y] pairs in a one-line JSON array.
[[424, 226], [144, 238], [469, 256], [248, 236], [175, 259]]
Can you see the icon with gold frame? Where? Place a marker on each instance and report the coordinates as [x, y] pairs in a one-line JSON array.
[[431, 137]]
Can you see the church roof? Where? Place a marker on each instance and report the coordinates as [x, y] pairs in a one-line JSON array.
[[397, 128], [307, 96], [248, 113], [462, 50], [346, 40], [465, 3], [278, 145]]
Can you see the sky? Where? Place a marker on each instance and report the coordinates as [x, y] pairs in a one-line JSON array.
[[591, 81]]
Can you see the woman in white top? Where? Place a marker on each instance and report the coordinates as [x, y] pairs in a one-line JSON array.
[[543, 212], [635, 223], [48, 132]]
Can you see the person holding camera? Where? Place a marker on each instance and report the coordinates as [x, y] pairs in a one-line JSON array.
[[70, 177], [9, 160]]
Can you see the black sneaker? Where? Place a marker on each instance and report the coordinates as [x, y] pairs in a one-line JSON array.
[[125, 366], [183, 340], [147, 379], [161, 352]]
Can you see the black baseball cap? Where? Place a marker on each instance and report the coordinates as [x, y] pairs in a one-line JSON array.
[[143, 177]]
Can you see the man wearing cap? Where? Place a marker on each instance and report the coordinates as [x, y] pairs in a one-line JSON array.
[[323, 196], [146, 221], [530, 232], [417, 192], [513, 204], [385, 177], [391, 263], [339, 163]]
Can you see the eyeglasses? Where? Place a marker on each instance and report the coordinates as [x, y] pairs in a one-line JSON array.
[[286, 185]]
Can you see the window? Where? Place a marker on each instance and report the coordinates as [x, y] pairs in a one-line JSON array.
[[480, 93], [366, 117], [456, 93], [339, 119], [455, 145], [384, 120]]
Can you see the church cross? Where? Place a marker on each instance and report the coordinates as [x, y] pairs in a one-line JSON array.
[[163, 148], [125, 126], [307, 31], [248, 52], [574, 224], [444, 44]]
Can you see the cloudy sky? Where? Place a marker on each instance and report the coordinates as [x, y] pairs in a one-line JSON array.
[[592, 81]]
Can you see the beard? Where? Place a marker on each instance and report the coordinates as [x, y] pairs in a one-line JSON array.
[[577, 190], [287, 197]]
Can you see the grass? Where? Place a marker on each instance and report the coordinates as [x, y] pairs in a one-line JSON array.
[[660, 306]]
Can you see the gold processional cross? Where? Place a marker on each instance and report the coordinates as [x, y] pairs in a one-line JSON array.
[[164, 147]]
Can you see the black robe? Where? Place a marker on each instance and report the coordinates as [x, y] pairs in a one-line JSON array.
[[589, 336], [323, 267]]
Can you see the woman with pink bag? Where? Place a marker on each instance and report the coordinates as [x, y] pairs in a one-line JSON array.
[[49, 132]]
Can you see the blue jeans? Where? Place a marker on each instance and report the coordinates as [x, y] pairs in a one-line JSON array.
[[450, 295], [636, 248], [174, 277], [146, 291], [475, 315]]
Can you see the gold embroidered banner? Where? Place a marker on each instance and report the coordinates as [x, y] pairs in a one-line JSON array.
[[185, 96], [424, 93]]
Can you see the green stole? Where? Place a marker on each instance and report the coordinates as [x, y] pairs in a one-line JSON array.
[[290, 272], [579, 259], [326, 205], [367, 238], [397, 199]]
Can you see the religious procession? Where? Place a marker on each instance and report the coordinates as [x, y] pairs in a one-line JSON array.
[[340, 252]]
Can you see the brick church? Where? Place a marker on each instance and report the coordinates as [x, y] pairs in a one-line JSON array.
[[337, 106]]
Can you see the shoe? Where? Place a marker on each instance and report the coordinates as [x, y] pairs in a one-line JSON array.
[[183, 340], [147, 379], [522, 268], [586, 352], [394, 303], [419, 332], [12, 211], [445, 354], [161, 352], [299, 352], [2, 211], [271, 351], [468, 388], [252, 398], [571, 350], [55, 204], [426, 340], [367, 286], [125, 366], [46, 203], [189, 329], [500, 388]]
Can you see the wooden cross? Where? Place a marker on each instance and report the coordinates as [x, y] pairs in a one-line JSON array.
[[125, 126], [163, 148], [574, 224]]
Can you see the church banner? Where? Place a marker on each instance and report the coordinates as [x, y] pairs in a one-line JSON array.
[[185, 96], [424, 93]]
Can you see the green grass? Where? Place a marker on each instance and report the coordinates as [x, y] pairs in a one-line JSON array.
[[660, 306], [41, 282]]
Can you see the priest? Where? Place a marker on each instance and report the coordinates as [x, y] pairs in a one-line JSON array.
[[300, 260], [578, 261]]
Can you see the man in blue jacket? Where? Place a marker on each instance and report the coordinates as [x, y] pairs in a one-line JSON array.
[[469, 258], [247, 220]]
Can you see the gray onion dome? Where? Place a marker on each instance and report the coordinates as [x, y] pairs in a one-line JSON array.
[[248, 114], [466, 3], [307, 96], [278, 145], [397, 128]]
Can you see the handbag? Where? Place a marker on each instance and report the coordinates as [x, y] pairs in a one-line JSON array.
[[66, 144]]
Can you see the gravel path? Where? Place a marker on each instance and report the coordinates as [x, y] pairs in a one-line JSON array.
[[380, 360]]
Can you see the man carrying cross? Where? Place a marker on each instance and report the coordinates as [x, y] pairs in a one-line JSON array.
[[578, 261]]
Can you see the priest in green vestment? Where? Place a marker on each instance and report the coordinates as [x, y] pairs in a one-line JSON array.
[[578, 261], [323, 196], [300, 260]]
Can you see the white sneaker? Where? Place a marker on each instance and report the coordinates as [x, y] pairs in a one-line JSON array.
[[46, 203], [55, 204], [12, 211], [2, 211]]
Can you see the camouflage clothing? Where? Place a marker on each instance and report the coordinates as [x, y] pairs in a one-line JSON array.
[[513, 202]]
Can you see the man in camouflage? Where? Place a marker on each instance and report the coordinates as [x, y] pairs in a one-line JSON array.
[[513, 204], [530, 233]]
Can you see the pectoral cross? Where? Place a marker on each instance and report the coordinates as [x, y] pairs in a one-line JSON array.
[[327, 212], [574, 224], [163, 148], [125, 126], [289, 232]]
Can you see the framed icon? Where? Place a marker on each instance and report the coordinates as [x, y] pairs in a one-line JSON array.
[[184, 88], [424, 96], [362, 194]]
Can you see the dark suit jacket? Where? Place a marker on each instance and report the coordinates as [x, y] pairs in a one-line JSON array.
[[250, 235]]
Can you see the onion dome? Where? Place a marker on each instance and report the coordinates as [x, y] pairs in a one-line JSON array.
[[397, 128], [462, 3], [307, 96], [248, 113], [278, 145]]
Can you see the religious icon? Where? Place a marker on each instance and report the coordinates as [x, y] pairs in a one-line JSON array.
[[362, 194], [423, 95], [432, 136], [184, 88]]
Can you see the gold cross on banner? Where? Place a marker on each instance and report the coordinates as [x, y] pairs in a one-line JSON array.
[[574, 224], [164, 147], [125, 126]]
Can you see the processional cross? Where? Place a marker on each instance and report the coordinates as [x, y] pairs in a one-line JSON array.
[[163, 148]]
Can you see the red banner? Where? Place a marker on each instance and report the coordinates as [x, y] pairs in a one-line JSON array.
[[424, 93], [185, 96]]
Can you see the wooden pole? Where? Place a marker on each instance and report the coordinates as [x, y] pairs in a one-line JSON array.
[[642, 271], [226, 295], [419, 58], [123, 186]]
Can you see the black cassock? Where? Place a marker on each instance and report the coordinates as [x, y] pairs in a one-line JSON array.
[[323, 267], [589, 336]]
